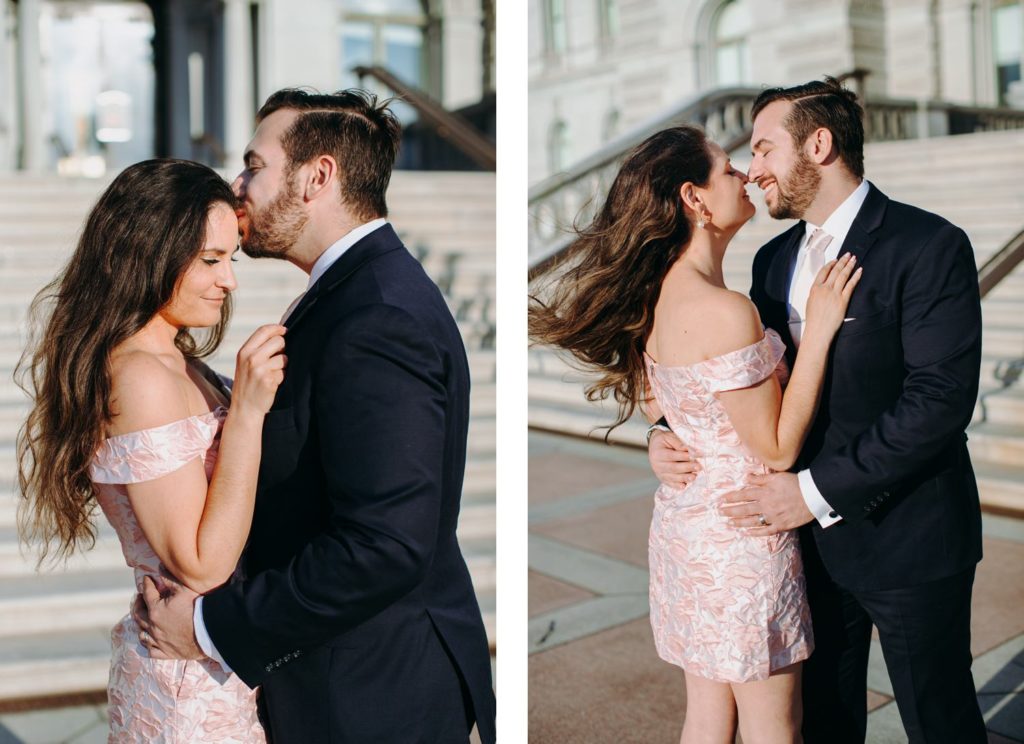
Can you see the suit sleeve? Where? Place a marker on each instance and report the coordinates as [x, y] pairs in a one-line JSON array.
[[941, 337], [380, 400]]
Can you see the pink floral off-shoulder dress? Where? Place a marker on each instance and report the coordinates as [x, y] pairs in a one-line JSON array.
[[154, 700], [725, 605]]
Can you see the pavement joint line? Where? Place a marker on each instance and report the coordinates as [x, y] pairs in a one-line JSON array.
[[596, 573], [998, 708], [583, 619], [1001, 660], [592, 500]]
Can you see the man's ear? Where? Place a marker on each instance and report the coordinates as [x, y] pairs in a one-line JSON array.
[[818, 146], [319, 177]]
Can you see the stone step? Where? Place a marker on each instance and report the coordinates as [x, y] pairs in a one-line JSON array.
[[54, 664], [1002, 406], [1001, 486], [63, 602], [1003, 341], [997, 443]]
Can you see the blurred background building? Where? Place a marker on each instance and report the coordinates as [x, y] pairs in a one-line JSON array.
[[88, 87], [941, 84], [600, 67]]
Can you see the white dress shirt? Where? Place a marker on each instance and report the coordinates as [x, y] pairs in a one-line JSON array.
[[837, 225], [326, 260]]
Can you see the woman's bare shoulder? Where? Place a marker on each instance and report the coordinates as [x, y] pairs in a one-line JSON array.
[[705, 322], [145, 392]]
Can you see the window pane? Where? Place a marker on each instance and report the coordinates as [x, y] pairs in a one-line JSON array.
[[734, 21], [403, 50], [556, 25], [1006, 28], [729, 67], [385, 7], [356, 49]]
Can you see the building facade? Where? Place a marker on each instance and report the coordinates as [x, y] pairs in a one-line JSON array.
[[88, 86], [599, 67]]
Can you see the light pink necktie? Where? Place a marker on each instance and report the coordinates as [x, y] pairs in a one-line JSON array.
[[814, 259], [816, 251]]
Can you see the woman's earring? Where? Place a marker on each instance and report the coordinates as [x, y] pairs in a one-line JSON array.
[[701, 222]]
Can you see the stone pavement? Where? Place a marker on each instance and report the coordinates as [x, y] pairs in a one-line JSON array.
[[594, 676]]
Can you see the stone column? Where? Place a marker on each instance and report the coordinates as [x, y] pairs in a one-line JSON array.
[[238, 81], [30, 92], [462, 49]]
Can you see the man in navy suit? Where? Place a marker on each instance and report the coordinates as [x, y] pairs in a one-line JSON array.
[[356, 614], [884, 494]]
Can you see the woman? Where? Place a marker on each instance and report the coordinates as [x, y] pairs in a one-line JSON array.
[[127, 416], [644, 302]]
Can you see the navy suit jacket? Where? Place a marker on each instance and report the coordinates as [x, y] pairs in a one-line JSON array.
[[352, 567], [888, 447]]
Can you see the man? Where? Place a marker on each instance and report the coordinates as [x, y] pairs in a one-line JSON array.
[[885, 495], [357, 616]]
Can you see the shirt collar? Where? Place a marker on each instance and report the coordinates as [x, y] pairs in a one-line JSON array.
[[838, 223], [336, 249]]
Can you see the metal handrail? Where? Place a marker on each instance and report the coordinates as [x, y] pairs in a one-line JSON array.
[[1001, 263], [557, 200], [449, 126]]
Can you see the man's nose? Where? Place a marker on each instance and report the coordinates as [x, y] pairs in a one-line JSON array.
[[755, 171]]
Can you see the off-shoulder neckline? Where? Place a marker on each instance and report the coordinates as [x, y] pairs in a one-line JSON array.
[[693, 365], [216, 413]]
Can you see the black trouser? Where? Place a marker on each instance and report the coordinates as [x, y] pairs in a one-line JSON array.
[[925, 633]]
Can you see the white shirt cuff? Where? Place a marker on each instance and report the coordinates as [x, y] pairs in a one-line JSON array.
[[816, 503], [203, 637]]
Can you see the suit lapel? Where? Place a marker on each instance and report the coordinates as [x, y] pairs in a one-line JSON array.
[[781, 269], [861, 237], [380, 241]]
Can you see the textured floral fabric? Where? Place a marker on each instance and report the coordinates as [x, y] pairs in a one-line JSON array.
[[154, 700], [725, 605]]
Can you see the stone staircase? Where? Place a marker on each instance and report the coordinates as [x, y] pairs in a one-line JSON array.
[[54, 625], [972, 180]]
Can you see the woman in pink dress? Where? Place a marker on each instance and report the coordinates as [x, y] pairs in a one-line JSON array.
[[643, 302], [126, 416]]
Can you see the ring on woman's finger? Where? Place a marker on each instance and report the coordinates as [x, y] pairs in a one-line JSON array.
[[761, 521]]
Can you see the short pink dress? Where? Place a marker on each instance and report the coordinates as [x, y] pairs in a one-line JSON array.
[[725, 605], [153, 700]]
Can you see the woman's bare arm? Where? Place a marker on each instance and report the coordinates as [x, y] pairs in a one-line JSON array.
[[198, 528]]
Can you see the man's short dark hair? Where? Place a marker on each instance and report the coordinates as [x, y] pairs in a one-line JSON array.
[[360, 133], [822, 104]]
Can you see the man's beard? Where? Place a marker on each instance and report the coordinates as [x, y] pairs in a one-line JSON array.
[[272, 231], [794, 196]]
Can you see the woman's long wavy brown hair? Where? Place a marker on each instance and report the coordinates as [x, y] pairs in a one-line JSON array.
[[601, 307], [144, 232]]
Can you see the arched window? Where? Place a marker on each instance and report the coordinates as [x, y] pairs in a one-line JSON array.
[[555, 39], [731, 53], [558, 147], [1008, 50]]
